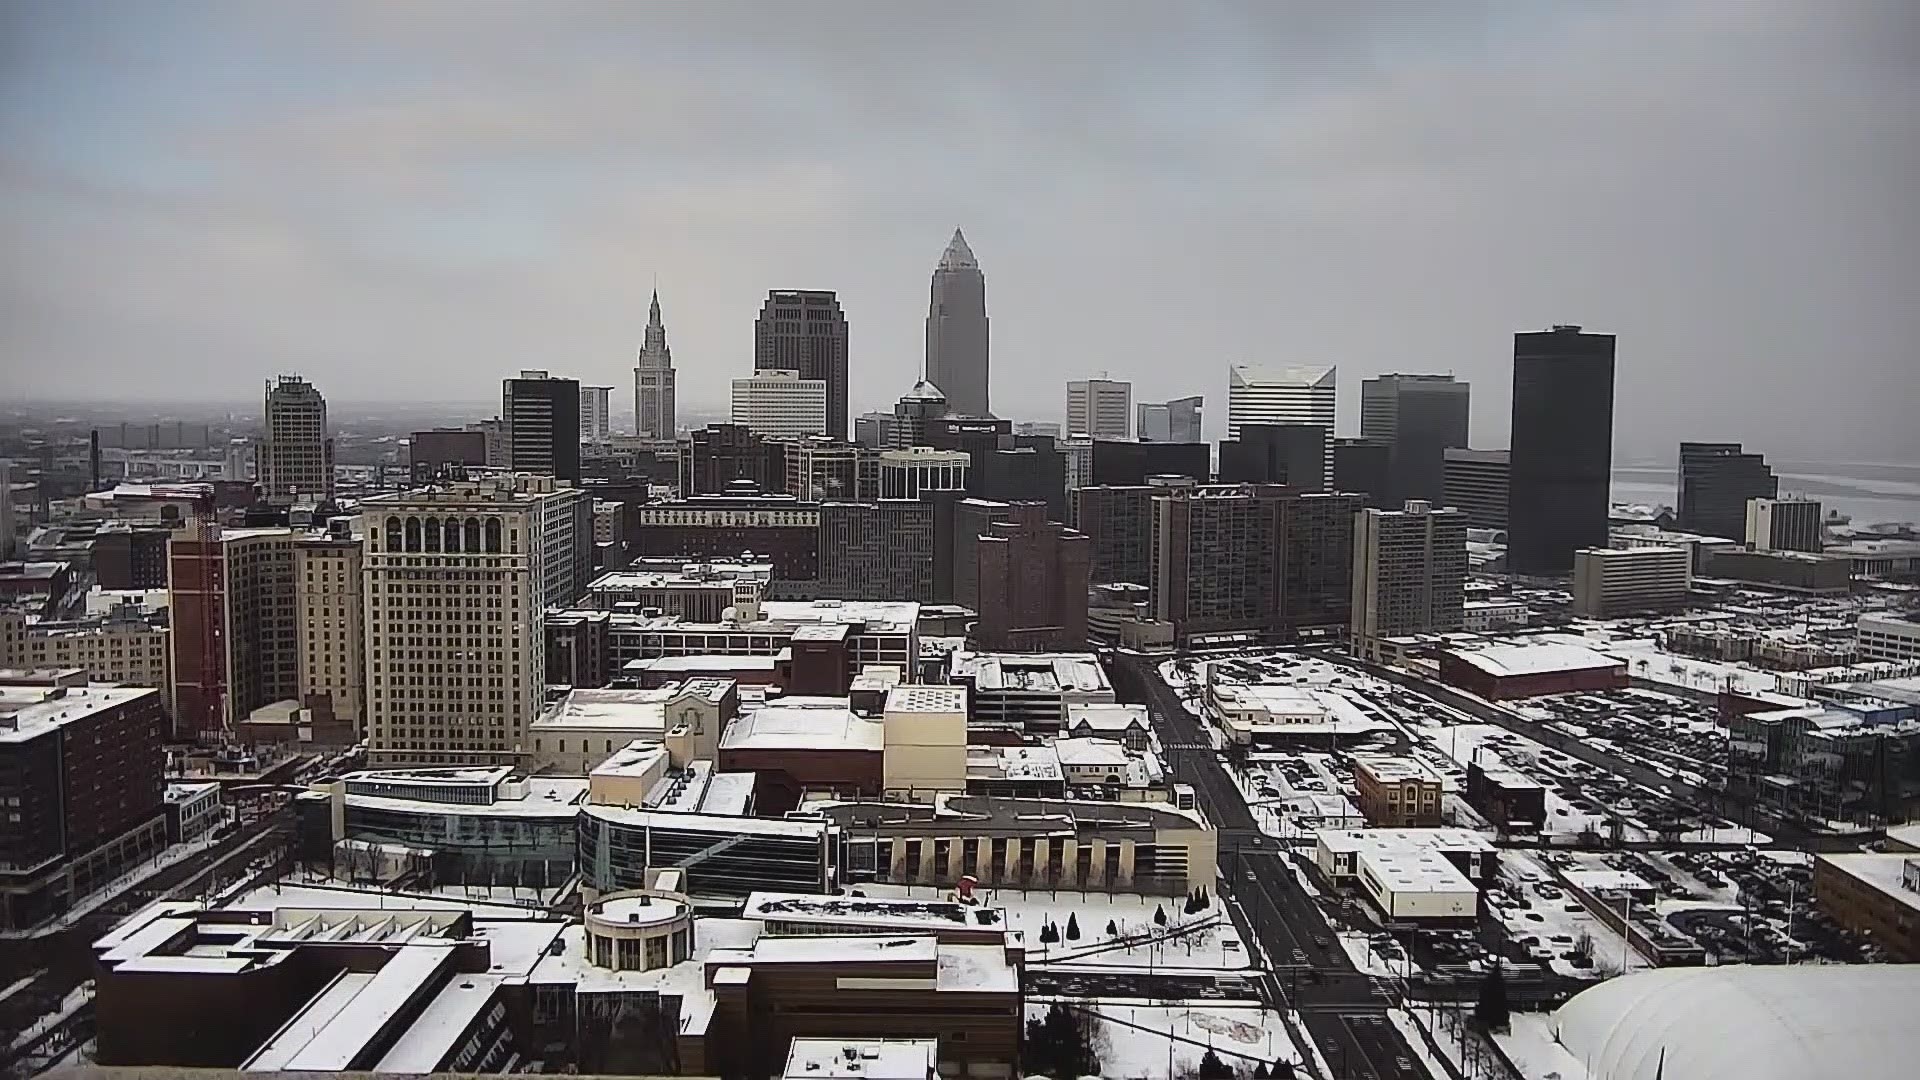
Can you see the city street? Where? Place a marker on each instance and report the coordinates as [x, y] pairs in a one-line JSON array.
[[1343, 1009]]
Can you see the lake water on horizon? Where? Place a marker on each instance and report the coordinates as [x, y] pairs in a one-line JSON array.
[[1871, 492]]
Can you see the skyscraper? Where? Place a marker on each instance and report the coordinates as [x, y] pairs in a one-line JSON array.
[[1363, 467], [1409, 573], [296, 457], [486, 642], [1280, 395], [1170, 421], [1477, 481], [1562, 451], [1716, 480], [1290, 454], [653, 405], [236, 627], [596, 414], [1421, 417], [780, 404], [957, 329], [1099, 408], [805, 331], [1790, 524], [540, 421]]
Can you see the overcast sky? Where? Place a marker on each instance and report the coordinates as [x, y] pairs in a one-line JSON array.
[[414, 200]]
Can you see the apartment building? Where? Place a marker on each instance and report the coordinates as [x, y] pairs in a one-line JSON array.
[[1614, 581], [328, 573], [236, 624]]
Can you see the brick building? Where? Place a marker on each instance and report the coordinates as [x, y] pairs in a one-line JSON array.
[[1032, 583]]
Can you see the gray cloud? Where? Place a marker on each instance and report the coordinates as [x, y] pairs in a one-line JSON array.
[[410, 201]]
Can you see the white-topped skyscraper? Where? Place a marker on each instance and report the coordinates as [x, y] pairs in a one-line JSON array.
[[653, 407], [957, 330], [1257, 394]]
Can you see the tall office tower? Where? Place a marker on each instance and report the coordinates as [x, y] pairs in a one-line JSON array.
[[1476, 481], [970, 519], [880, 550], [1280, 395], [6, 510], [1251, 559], [328, 579], [805, 331], [442, 451], [781, 404], [874, 429], [820, 469], [1099, 409], [234, 608], [1562, 453], [1133, 462], [596, 413], [1791, 524], [1022, 468], [1364, 467], [540, 422], [654, 414], [1032, 582], [1409, 573], [1290, 454], [1716, 482], [1171, 421], [914, 413], [1118, 524], [957, 329], [296, 457], [458, 580], [717, 458], [1420, 417], [1076, 462]]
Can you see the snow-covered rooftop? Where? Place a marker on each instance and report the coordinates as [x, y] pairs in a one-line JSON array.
[[1887, 872], [862, 1059], [1033, 673], [1508, 660], [790, 726]]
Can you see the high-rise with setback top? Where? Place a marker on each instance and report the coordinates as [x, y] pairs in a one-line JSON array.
[[1420, 417], [957, 329], [804, 331], [296, 457], [653, 405], [1716, 481], [1258, 394], [1561, 457]]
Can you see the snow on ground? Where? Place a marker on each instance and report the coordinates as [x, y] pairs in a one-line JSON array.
[[1558, 921], [1161, 1041], [1410, 1031], [1685, 671], [1364, 958], [1531, 1047], [69, 1005], [1213, 946], [169, 855]]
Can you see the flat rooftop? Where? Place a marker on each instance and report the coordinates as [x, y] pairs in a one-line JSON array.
[[1364, 840], [862, 1059], [1034, 673], [1513, 660], [1389, 769], [875, 912], [927, 699], [28, 712], [789, 726], [610, 708], [1880, 871]]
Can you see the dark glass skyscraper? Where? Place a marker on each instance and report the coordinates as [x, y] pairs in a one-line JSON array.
[[1716, 480], [1421, 417], [805, 331], [1562, 451], [957, 329], [540, 418]]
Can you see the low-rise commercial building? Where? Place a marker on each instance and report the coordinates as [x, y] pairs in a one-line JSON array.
[[1615, 581], [1423, 876], [1873, 894], [1396, 792], [1886, 637], [1033, 690], [1506, 672], [806, 746], [697, 592], [586, 725], [1033, 843], [1512, 801]]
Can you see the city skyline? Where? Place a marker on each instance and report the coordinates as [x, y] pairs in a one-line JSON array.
[[1426, 188]]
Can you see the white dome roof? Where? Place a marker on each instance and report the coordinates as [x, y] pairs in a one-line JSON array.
[[1737, 1022]]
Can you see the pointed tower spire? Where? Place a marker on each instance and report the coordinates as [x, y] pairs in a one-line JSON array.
[[958, 255], [653, 309]]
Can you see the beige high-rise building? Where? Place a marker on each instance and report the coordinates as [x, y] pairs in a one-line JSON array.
[[781, 404], [327, 575], [1613, 581], [1099, 409], [1409, 573], [458, 578], [295, 458], [129, 652]]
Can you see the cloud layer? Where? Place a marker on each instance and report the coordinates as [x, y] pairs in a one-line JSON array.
[[412, 201]]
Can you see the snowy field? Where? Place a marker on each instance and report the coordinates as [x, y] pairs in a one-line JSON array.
[[1205, 941], [1531, 1046], [1138, 1041]]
